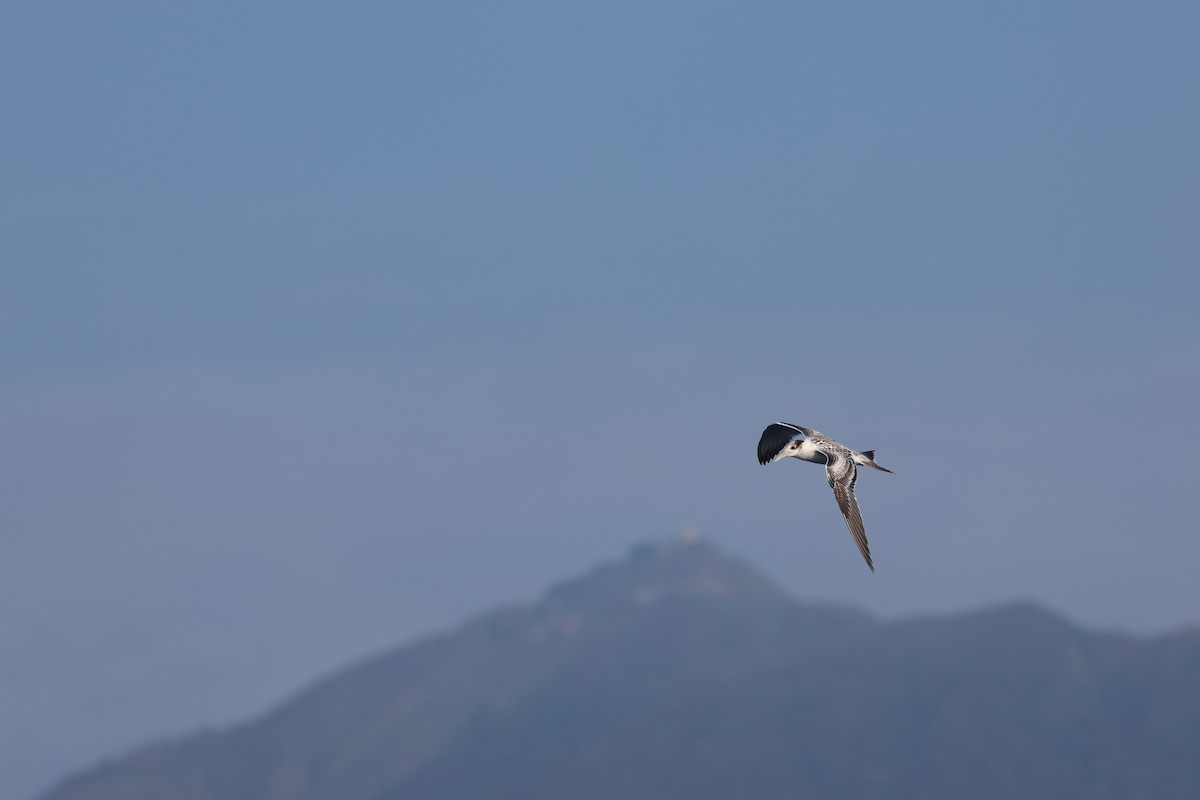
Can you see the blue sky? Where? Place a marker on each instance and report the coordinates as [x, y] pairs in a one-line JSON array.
[[321, 328]]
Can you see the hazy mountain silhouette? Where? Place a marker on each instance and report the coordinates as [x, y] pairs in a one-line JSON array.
[[682, 673]]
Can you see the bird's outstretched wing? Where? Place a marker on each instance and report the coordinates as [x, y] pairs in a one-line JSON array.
[[842, 474], [776, 437]]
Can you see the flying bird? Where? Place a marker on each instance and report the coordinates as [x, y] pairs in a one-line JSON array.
[[785, 440]]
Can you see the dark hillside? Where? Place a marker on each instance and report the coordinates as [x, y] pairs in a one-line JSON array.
[[683, 673]]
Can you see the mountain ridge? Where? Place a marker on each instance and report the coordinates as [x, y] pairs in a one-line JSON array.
[[682, 671]]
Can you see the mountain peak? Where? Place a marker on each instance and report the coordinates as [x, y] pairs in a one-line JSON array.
[[680, 671], [685, 566]]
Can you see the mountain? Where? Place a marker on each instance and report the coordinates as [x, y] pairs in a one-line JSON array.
[[681, 672]]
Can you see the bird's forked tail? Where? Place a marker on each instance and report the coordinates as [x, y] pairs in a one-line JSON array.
[[870, 456]]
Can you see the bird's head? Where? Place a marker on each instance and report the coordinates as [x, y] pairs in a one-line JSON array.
[[790, 449]]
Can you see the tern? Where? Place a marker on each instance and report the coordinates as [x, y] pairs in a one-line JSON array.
[[785, 440]]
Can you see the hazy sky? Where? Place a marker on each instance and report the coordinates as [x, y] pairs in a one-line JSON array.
[[325, 325]]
